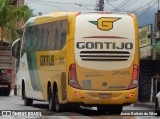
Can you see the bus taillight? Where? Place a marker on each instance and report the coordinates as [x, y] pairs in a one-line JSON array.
[[73, 77], [135, 72], [134, 82]]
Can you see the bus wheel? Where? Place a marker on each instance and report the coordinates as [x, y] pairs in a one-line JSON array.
[[23, 91], [27, 101], [50, 99], [58, 107]]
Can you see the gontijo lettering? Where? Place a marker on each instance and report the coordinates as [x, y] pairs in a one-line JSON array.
[[47, 60], [104, 45]]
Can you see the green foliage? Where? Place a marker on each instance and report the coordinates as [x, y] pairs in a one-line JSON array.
[[157, 52], [10, 17]]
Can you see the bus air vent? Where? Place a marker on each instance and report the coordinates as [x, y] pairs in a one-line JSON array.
[[104, 55]]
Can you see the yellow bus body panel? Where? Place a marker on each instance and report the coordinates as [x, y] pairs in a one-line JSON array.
[[92, 97]]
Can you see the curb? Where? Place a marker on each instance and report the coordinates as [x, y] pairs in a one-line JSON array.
[[148, 105]]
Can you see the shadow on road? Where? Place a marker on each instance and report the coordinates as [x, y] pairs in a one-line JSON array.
[[82, 111]]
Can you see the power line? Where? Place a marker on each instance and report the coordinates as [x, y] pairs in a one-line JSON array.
[[35, 1], [79, 4], [149, 8], [108, 2], [131, 3], [51, 6], [146, 17], [121, 4], [144, 6]]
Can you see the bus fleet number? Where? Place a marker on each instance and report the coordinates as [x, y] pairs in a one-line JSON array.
[[120, 73]]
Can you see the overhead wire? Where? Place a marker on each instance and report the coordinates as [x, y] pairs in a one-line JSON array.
[[108, 2], [118, 6], [147, 9], [123, 5], [57, 2], [143, 21], [135, 10], [127, 5], [79, 4], [51, 6]]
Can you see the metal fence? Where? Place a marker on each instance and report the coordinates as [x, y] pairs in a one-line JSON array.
[[155, 87]]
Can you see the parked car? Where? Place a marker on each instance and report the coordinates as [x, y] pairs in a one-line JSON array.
[[157, 103]]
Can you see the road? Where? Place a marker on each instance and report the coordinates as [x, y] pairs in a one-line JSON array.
[[16, 103]]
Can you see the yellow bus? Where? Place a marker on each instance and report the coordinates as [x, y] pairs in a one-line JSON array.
[[80, 58]]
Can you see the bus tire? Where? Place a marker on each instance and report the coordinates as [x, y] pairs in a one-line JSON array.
[[27, 101], [57, 106], [23, 90], [51, 99]]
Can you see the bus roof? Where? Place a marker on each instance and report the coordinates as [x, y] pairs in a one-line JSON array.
[[63, 15], [48, 18]]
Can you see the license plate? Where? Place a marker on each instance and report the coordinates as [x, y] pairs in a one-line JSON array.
[[104, 95]]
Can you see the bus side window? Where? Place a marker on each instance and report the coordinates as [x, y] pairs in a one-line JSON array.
[[38, 46], [64, 33], [51, 36], [42, 35], [34, 38], [45, 37], [58, 35]]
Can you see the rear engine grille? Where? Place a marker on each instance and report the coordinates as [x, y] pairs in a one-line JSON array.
[[104, 55]]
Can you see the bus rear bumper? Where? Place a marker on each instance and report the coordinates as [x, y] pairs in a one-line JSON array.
[[102, 97]]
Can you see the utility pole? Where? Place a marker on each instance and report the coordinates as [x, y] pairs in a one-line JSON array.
[[100, 5], [158, 4]]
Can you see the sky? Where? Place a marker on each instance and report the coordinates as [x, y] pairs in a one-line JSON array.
[[144, 9]]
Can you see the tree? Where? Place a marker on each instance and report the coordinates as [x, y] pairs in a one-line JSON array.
[[10, 17]]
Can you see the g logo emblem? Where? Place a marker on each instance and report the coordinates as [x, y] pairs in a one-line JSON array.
[[105, 23]]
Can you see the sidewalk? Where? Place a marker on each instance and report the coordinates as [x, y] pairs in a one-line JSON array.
[[145, 104]]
